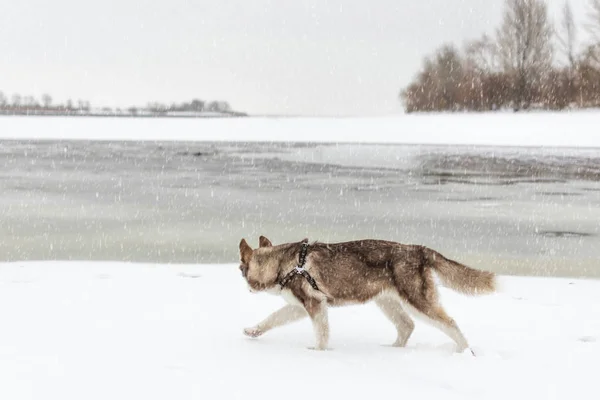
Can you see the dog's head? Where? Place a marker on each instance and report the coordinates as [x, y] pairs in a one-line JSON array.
[[259, 266]]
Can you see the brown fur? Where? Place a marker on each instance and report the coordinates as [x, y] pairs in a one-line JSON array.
[[390, 273]]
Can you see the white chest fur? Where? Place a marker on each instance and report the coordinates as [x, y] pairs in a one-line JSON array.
[[289, 297]]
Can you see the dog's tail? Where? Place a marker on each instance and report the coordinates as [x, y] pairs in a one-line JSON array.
[[459, 277]]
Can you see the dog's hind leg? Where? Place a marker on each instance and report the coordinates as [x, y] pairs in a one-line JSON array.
[[432, 312], [392, 309], [418, 291], [437, 317], [285, 315]]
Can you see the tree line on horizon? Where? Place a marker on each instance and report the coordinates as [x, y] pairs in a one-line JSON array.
[[45, 105], [18, 102], [517, 68]]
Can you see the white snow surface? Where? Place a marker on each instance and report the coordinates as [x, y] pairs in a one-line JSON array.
[[80, 330], [552, 129]]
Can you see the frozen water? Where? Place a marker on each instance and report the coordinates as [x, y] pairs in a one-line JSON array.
[[513, 210]]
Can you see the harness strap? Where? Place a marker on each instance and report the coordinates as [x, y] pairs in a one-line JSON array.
[[300, 270]]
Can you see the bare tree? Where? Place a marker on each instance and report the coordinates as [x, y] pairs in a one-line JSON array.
[[489, 86], [594, 19], [30, 102], [197, 105], [16, 100], [212, 106], [46, 100], [3, 100], [224, 106], [589, 75], [524, 43], [449, 74], [482, 55], [562, 84], [440, 86], [156, 108], [568, 35]]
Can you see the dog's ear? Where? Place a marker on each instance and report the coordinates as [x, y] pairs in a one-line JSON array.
[[264, 242], [245, 252]]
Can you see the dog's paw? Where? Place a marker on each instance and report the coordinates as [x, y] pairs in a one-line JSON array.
[[253, 332]]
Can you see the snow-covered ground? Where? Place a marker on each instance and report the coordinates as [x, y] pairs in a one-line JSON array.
[[563, 129], [134, 331]]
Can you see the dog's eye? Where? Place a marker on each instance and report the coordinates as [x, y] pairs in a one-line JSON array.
[[244, 269]]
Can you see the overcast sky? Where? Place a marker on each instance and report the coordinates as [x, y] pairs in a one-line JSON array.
[[294, 57]]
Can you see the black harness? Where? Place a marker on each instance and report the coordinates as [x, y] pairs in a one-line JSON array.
[[299, 270]]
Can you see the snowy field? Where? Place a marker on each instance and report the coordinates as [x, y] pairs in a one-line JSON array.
[[562, 129], [141, 331]]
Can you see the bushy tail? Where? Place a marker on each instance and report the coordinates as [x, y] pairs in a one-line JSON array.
[[459, 277]]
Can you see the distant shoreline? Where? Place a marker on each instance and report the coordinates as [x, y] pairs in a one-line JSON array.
[[13, 113]]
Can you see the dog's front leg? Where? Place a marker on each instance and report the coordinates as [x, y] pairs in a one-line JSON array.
[[283, 316], [317, 310]]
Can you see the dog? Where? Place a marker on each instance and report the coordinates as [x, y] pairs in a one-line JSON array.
[[397, 277]]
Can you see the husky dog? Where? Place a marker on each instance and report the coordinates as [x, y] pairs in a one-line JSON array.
[[398, 277]]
